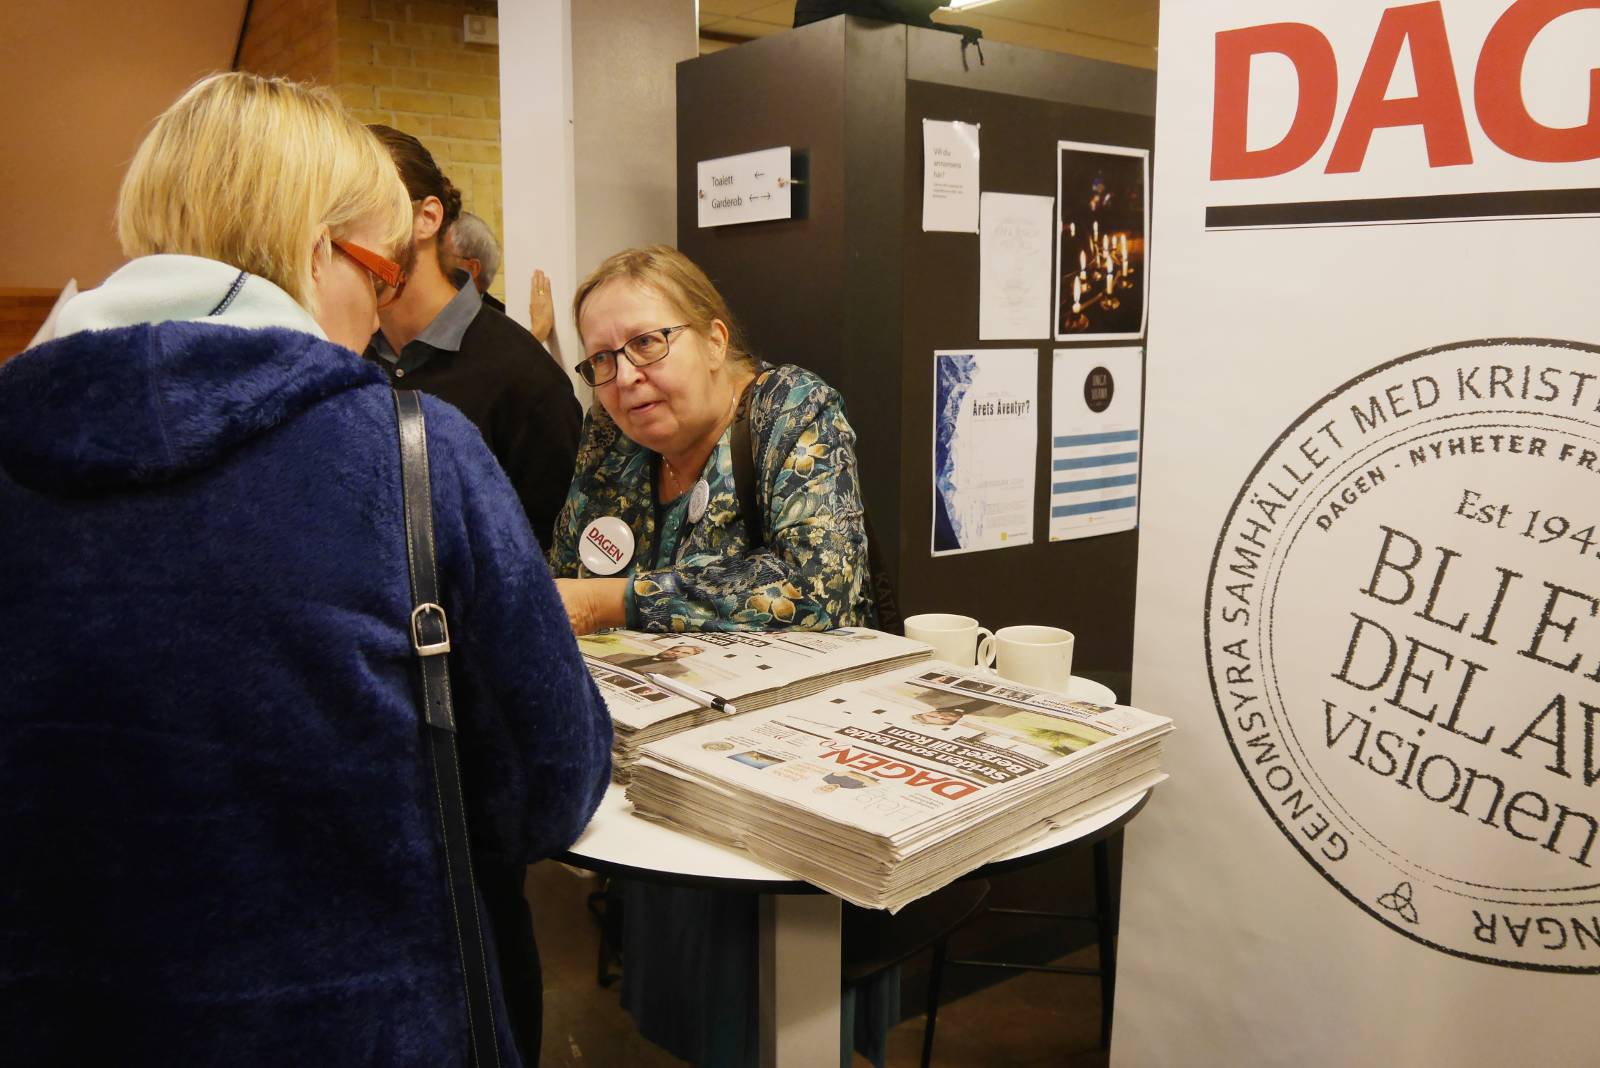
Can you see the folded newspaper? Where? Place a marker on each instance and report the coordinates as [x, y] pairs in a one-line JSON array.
[[748, 670], [884, 790]]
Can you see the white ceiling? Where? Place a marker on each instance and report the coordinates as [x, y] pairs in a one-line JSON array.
[[1123, 31]]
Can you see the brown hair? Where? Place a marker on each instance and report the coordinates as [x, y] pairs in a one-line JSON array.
[[418, 170], [675, 276]]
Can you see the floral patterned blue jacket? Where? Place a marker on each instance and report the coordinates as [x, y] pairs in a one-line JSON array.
[[811, 572]]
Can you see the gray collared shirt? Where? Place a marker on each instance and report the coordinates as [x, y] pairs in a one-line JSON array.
[[442, 335]]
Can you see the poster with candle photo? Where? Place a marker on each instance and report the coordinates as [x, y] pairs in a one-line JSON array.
[[1102, 223]]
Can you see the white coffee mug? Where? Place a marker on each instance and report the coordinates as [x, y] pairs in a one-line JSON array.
[[955, 639], [1035, 656]]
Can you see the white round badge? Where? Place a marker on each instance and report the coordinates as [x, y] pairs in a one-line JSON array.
[[606, 546], [699, 497]]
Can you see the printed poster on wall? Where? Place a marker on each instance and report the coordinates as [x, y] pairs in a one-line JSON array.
[[985, 420], [950, 166], [1369, 567], [1103, 243], [1095, 399], [1014, 267]]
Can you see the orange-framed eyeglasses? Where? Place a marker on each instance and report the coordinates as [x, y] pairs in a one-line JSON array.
[[388, 277]]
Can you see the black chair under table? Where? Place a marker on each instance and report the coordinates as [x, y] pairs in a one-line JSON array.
[[875, 941], [1105, 920]]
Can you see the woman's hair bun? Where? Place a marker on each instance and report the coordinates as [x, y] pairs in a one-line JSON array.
[[451, 201]]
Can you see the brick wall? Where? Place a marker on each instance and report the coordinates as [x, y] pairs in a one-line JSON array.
[[406, 65], [292, 38]]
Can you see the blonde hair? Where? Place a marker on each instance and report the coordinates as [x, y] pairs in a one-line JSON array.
[[254, 172], [675, 276]]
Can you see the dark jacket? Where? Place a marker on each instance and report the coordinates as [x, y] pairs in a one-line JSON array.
[[218, 832], [519, 398]]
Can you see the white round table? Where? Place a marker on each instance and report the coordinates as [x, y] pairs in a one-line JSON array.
[[799, 936], [617, 842]]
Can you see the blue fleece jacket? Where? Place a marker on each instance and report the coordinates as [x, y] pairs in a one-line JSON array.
[[218, 842]]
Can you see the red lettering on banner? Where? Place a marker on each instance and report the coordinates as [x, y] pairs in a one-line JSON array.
[[1436, 107], [1497, 89], [1318, 75]]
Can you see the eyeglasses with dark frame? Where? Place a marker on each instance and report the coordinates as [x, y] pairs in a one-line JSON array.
[[388, 277], [649, 347]]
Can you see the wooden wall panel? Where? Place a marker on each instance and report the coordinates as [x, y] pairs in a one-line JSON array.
[[22, 312]]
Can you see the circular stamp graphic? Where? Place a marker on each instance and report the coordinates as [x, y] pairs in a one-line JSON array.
[[1403, 637], [1098, 388]]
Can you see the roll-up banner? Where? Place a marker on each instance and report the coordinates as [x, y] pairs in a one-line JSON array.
[[1369, 570]]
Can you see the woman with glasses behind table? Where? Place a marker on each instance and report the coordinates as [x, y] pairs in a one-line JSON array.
[[221, 833], [671, 379], [670, 374]]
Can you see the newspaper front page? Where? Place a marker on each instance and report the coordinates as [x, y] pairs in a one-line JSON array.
[[865, 776], [750, 670]]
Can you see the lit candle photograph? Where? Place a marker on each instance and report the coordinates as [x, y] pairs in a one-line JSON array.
[[1106, 187]]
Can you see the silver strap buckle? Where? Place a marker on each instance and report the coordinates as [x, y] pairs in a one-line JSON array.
[[426, 648]]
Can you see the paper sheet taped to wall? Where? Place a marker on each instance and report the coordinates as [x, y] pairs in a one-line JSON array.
[[950, 176], [1014, 267]]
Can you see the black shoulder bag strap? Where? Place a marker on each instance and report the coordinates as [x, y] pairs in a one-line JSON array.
[[430, 637], [886, 606], [744, 468]]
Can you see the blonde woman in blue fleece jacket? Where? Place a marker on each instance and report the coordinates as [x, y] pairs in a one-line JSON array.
[[220, 831]]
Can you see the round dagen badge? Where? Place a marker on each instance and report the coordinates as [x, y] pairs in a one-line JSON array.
[[606, 546], [699, 497]]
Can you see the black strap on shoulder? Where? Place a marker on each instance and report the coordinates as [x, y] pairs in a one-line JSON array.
[[430, 637], [744, 468], [885, 604]]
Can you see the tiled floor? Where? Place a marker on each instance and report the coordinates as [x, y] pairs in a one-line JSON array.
[[1029, 1021]]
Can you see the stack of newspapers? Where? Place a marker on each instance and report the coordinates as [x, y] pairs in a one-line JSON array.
[[884, 789], [658, 684]]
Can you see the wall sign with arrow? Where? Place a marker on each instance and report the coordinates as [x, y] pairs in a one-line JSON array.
[[752, 187]]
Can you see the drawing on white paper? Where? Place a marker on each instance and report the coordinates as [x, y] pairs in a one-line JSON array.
[[1014, 267]]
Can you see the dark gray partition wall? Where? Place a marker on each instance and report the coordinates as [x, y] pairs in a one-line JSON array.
[[856, 291]]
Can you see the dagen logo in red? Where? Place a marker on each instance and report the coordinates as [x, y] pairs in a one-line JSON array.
[[1460, 90], [605, 544]]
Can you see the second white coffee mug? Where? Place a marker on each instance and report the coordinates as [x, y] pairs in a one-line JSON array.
[[1035, 656], [958, 640]]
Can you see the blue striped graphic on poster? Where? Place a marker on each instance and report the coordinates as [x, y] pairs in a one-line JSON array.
[[1369, 574], [1096, 400]]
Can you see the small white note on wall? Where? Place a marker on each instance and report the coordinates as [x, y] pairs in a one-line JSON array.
[[950, 176]]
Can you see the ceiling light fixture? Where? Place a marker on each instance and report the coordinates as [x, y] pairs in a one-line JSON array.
[[957, 5]]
